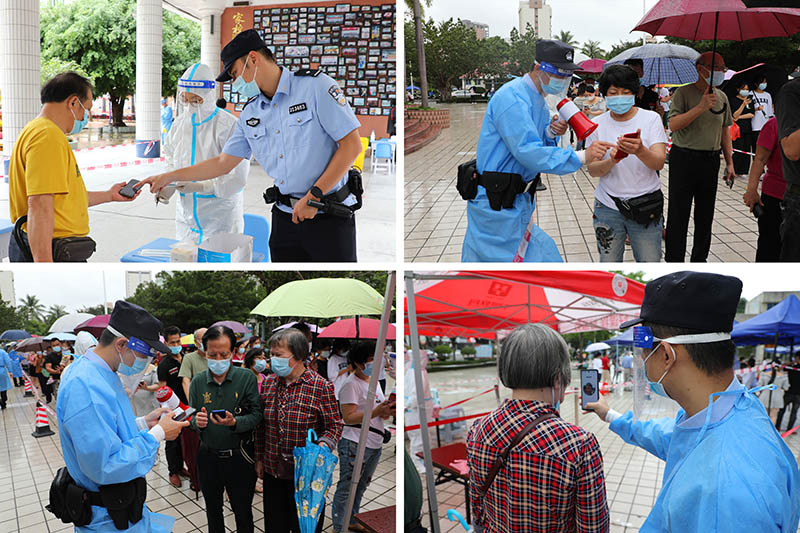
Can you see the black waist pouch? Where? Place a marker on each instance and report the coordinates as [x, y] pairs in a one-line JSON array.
[[467, 180], [69, 502], [65, 249], [645, 209], [124, 501]]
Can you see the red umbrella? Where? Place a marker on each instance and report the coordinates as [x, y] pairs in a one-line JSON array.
[[356, 328], [591, 66], [94, 325], [718, 19]]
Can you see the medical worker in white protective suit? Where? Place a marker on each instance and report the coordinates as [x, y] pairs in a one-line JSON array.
[[199, 133], [108, 451], [412, 405], [727, 469]]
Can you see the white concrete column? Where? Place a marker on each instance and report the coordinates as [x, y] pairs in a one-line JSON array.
[[20, 69], [211, 35], [148, 78]]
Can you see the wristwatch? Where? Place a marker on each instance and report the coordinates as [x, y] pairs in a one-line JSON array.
[[316, 192]]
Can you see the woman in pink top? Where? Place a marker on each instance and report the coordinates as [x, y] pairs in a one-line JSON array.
[[767, 206]]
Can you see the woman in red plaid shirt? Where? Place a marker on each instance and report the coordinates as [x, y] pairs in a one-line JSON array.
[[553, 480], [295, 400]]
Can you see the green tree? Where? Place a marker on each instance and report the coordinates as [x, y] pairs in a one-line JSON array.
[[53, 65], [468, 350], [620, 47], [195, 299], [9, 317], [94, 310], [54, 312], [593, 50], [31, 308], [566, 37], [100, 37], [494, 54], [522, 51], [451, 49]]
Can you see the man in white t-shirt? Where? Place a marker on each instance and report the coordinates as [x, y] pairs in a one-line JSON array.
[[338, 367], [628, 198], [353, 399]]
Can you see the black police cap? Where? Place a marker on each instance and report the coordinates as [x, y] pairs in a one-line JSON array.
[[245, 42], [696, 300], [556, 53], [133, 321]]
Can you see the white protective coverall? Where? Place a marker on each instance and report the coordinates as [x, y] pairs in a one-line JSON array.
[[199, 133]]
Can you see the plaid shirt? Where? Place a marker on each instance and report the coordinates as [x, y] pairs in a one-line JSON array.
[[290, 411], [553, 480]]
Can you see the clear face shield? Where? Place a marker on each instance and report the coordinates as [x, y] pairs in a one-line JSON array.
[[554, 81], [196, 95]]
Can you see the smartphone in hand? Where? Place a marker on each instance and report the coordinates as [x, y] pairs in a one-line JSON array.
[[129, 190], [620, 155], [590, 392]]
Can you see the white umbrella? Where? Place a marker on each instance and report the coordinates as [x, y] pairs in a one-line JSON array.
[[68, 323], [597, 347], [312, 327], [61, 337]]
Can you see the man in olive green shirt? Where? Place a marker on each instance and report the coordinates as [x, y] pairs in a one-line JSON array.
[[700, 122], [229, 408], [193, 363]]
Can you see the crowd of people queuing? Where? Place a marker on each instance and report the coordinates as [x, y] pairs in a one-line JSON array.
[[739, 121], [254, 399]]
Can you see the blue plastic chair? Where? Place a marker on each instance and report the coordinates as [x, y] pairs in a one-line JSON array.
[[383, 155], [258, 227]]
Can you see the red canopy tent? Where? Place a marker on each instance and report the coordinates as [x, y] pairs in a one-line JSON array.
[[474, 304]]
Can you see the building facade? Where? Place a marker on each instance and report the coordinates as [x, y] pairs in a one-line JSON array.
[[539, 15]]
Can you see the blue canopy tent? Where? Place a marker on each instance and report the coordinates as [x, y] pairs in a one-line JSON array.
[[624, 339], [779, 325]]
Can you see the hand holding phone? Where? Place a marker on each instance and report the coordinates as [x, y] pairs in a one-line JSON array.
[[590, 391], [129, 190], [621, 154]]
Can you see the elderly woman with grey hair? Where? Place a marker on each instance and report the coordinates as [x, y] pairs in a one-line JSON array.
[[529, 469]]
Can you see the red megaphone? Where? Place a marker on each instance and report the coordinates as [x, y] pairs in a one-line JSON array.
[[569, 112], [170, 400]]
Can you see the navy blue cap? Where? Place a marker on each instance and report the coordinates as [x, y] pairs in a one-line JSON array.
[[133, 321], [696, 300], [556, 53], [245, 42]]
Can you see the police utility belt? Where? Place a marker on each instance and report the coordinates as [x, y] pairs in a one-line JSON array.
[[332, 203], [73, 504], [501, 187]]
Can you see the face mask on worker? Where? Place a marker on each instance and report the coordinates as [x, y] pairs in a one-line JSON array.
[[656, 386], [78, 125], [247, 89], [554, 81], [138, 367], [620, 104]]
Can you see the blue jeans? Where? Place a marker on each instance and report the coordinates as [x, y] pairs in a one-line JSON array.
[[347, 459], [610, 229]]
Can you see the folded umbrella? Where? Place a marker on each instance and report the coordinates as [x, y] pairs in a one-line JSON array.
[[313, 476]]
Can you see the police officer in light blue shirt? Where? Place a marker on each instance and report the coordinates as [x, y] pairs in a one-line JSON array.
[[519, 140], [303, 133]]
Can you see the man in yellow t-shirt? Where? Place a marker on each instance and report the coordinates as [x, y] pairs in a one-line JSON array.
[[44, 180]]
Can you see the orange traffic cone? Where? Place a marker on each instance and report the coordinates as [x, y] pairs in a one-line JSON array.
[[42, 428], [28, 389]]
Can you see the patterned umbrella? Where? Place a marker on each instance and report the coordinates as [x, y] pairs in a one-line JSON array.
[[664, 63], [313, 475]]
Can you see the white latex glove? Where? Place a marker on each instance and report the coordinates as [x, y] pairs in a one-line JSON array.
[[195, 186], [165, 194]]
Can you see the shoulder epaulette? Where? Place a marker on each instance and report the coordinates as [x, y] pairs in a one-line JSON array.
[[312, 72], [248, 102]]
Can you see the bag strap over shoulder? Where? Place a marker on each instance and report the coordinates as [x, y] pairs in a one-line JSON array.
[[502, 459]]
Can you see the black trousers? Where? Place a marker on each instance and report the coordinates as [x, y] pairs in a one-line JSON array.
[[231, 474], [324, 238], [3, 399], [794, 401], [174, 456], [693, 176], [769, 231], [19, 382], [741, 162], [47, 390], [280, 510]]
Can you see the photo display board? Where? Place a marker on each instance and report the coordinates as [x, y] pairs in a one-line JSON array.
[[354, 44]]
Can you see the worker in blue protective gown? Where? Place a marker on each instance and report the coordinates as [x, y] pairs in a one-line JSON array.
[[16, 367], [520, 136], [5, 380], [102, 442], [727, 468]]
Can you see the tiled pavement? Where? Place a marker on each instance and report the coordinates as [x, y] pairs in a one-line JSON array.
[[633, 476], [27, 466], [436, 221]]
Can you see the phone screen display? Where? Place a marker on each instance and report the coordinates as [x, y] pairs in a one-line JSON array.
[[589, 389]]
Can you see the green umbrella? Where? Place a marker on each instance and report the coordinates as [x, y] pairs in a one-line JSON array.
[[322, 298]]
